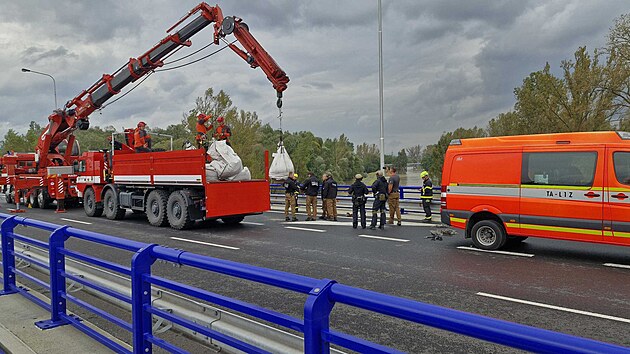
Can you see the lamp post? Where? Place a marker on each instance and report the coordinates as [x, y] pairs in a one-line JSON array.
[[24, 70], [380, 84]]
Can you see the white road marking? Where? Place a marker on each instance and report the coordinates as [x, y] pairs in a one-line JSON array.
[[553, 307], [205, 243], [77, 221], [385, 238], [498, 252], [252, 223], [615, 265], [303, 229]]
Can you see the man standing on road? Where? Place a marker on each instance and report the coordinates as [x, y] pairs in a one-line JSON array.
[[290, 188], [426, 195], [394, 196], [324, 206], [310, 186], [379, 188], [330, 197], [358, 190]]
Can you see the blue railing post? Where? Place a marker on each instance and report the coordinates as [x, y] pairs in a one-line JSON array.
[[57, 264], [8, 259], [141, 299], [316, 318]]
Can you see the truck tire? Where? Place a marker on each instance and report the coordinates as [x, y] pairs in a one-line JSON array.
[[91, 207], [112, 207], [177, 211], [232, 220], [44, 200], [488, 235], [32, 199], [8, 196], [156, 207]]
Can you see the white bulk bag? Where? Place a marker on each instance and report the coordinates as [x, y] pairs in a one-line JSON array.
[[281, 164]]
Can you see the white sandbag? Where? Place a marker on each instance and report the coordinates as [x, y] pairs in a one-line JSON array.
[[244, 175], [281, 164], [224, 160]]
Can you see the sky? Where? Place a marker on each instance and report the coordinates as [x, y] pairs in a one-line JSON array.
[[446, 63]]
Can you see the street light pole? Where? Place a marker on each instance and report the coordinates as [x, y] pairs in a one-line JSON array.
[[380, 83], [24, 70]]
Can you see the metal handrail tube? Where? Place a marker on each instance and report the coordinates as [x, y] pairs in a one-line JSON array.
[[358, 345], [494, 330], [96, 261], [112, 241], [104, 290], [165, 345], [29, 240], [272, 277], [236, 305], [97, 336], [37, 301], [30, 260], [35, 223], [31, 278], [206, 331], [111, 318]]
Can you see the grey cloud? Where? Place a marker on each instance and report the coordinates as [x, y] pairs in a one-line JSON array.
[[33, 55]]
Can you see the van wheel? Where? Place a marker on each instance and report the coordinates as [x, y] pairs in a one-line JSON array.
[[90, 206], [156, 207], [488, 235], [112, 207], [177, 211], [32, 199]]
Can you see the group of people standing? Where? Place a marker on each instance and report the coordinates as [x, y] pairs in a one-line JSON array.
[[222, 132], [385, 192]]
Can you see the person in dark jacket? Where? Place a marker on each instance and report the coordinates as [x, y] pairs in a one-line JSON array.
[[358, 190], [330, 197], [426, 195], [379, 188], [324, 206], [290, 188], [310, 187]]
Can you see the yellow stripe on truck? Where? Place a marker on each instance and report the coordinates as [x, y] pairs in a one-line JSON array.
[[460, 220], [561, 229], [622, 234]]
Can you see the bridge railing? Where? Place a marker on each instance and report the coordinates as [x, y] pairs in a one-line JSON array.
[[322, 295], [409, 198]]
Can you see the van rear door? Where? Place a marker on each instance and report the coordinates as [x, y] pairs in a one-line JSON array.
[[562, 192], [618, 196]]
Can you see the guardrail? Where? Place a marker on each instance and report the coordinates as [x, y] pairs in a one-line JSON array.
[[410, 202], [322, 295]]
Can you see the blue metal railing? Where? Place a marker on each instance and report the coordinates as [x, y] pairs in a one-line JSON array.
[[322, 295]]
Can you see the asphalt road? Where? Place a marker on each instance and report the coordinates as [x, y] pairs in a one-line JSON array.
[[590, 299]]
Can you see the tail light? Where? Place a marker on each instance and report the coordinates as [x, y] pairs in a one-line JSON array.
[[443, 198]]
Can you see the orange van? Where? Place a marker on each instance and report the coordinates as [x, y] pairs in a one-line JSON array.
[[568, 186]]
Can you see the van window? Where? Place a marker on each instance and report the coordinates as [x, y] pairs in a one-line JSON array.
[[559, 168], [622, 167]]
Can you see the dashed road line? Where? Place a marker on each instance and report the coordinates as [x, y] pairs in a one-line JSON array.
[[385, 238], [466, 248], [77, 221], [205, 243], [252, 223], [303, 229], [553, 307], [615, 265]]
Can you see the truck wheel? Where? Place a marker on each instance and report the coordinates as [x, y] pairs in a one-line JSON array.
[[43, 199], [32, 199], [156, 207], [91, 207], [488, 235], [111, 206], [177, 211], [232, 220], [8, 197]]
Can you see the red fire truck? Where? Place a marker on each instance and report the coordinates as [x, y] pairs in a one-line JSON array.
[[171, 187]]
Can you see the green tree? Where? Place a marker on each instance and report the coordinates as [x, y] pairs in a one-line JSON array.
[[414, 153], [401, 161], [369, 157], [433, 157]]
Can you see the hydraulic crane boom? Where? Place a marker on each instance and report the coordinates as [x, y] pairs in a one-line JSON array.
[[62, 123]]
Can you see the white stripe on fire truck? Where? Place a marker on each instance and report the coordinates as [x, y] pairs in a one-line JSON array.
[[526, 191], [177, 178], [125, 178]]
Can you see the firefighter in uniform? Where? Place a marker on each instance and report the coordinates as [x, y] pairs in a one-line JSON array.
[[426, 194], [379, 188], [290, 188], [358, 190], [329, 191], [223, 131], [141, 139], [202, 129], [310, 187]]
